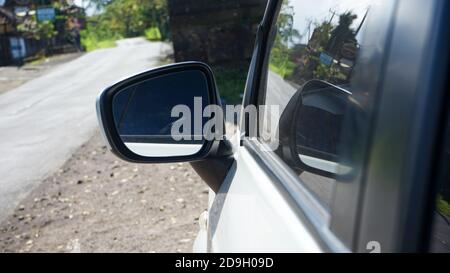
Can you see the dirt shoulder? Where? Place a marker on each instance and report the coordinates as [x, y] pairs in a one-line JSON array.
[[98, 203], [13, 76]]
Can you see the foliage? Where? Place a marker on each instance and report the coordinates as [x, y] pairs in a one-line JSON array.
[[330, 39], [127, 18], [321, 36], [46, 30], [442, 206], [91, 42], [284, 69], [230, 82], [299, 62], [153, 34], [97, 35], [286, 36], [39, 31]]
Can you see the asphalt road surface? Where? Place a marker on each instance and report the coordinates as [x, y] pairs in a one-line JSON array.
[[45, 120]]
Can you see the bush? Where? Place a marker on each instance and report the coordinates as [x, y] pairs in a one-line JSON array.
[[284, 70], [231, 83], [91, 41], [442, 206], [40, 31], [153, 34]]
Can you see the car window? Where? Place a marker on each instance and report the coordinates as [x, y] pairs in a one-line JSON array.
[[319, 77]]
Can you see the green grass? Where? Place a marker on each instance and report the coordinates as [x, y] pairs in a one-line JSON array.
[[39, 59], [443, 207], [283, 71], [92, 44], [91, 40], [153, 34], [231, 83]]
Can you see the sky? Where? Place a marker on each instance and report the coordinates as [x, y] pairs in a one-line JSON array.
[[83, 3]]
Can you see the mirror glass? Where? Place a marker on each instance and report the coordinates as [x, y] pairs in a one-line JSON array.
[[318, 129], [145, 114]]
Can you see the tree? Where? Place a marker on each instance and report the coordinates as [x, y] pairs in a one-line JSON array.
[[285, 25], [342, 33], [284, 41], [128, 18], [37, 30]]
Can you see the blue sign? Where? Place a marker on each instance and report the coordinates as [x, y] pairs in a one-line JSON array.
[[45, 14], [326, 59]]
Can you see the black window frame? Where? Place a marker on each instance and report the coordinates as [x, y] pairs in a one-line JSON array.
[[406, 182]]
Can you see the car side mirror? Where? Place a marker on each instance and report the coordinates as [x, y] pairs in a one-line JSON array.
[[311, 126], [158, 116]]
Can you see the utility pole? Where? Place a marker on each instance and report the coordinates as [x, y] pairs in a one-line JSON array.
[[309, 29], [332, 15], [362, 22]]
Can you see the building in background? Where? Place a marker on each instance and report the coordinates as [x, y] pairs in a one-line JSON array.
[[30, 28], [7, 30]]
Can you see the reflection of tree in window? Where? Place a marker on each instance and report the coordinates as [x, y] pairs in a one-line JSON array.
[[342, 34], [329, 54], [286, 36]]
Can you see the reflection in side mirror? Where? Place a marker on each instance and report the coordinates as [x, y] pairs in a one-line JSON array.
[[163, 115], [144, 119], [313, 144], [318, 126]]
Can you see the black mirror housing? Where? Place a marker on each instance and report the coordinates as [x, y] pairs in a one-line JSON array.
[[148, 96], [310, 129]]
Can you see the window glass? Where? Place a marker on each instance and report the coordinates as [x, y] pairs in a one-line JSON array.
[[322, 74]]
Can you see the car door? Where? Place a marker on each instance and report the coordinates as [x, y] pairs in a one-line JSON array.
[[338, 134], [344, 61], [268, 201]]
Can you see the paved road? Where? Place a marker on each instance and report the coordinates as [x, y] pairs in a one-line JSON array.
[[12, 77], [43, 121]]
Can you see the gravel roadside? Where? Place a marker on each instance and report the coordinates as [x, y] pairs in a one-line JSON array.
[[98, 203]]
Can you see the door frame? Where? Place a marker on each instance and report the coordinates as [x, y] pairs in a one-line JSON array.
[[411, 110], [407, 228]]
